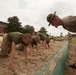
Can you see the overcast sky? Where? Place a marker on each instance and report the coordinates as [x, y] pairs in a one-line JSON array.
[[34, 12]]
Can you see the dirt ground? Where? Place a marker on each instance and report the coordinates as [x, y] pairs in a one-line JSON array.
[[29, 67]]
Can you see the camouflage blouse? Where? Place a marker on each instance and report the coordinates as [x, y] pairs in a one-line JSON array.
[[69, 23]]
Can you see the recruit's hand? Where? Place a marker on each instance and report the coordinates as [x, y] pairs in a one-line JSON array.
[[14, 65]]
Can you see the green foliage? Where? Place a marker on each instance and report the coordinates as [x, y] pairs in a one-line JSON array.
[[61, 38], [43, 30], [28, 29], [13, 25]]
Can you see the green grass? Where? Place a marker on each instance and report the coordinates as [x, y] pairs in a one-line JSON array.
[[74, 40], [61, 38]]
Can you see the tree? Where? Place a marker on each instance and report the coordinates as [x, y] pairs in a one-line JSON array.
[[28, 29], [31, 30], [13, 25], [43, 30]]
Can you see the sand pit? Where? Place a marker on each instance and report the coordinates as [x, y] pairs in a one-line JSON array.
[[29, 67]]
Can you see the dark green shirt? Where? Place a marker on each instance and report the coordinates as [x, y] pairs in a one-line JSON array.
[[33, 42], [16, 37], [42, 36]]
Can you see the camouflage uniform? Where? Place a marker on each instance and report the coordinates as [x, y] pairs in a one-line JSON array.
[[5, 46], [69, 23]]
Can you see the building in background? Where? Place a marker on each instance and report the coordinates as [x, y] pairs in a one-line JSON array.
[[2, 26]]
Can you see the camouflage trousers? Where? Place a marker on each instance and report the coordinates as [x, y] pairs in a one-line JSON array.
[[71, 54], [5, 46]]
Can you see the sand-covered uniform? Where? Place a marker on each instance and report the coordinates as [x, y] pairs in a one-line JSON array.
[[15, 37]]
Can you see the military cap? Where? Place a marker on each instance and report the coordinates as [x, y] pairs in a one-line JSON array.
[[50, 17]]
